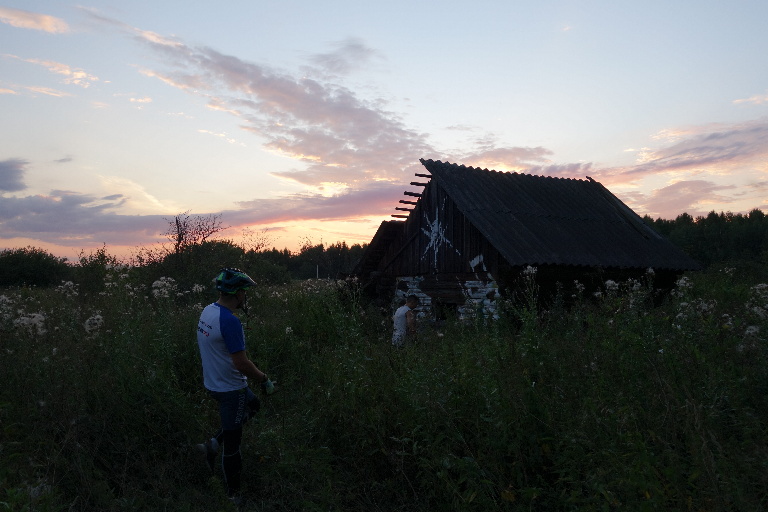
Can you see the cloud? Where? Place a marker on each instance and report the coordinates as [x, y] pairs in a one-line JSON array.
[[25, 19], [722, 147], [488, 155], [349, 55], [342, 138], [757, 99], [74, 76], [75, 220], [692, 196], [373, 200], [48, 91], [8, 91], [12, 175]]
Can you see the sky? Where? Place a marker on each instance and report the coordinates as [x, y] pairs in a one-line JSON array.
[[301, 121]]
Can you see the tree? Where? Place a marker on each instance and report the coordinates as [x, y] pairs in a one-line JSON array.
[[186, 230], [31, 266]]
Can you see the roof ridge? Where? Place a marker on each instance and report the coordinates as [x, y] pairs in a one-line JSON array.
[[439, 163]]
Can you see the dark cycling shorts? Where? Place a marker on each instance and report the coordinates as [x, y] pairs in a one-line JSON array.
[[235, 407]]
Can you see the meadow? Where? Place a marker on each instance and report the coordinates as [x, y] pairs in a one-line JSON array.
[[610, 403]]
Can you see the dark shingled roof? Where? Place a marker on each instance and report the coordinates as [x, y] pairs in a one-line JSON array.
[[538, 220]]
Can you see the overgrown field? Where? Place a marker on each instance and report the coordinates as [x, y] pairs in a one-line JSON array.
[[611, 404]]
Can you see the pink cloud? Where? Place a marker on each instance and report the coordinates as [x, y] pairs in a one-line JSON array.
[[31, 20]]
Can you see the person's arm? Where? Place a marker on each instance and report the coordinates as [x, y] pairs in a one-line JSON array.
[[410, 320], [246, 367]]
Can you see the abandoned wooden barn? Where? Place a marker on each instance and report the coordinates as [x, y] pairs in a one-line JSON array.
[[470, 234]]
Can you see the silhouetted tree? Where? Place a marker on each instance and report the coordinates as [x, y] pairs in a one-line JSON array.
[[31, 266]]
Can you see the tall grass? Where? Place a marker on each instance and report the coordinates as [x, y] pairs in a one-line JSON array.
[[610, 403]]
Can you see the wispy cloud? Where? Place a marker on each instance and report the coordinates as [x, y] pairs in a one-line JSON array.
[[348, 55], [757, 99], [223, 136], [31, 20], [721, 148], [48, 91], [74, 76]]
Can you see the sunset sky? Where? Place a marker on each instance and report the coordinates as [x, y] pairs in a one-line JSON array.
[[308, 118]]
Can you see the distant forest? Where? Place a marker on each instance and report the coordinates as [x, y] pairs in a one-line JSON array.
[[717, 239]]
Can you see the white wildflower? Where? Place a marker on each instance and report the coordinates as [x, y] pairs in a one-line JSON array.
[[289, 330], [32, 321], [94, 323], [164, 287], [67, 288]]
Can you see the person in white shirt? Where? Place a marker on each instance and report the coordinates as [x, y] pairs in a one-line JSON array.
[[404, 321], [226, 370]]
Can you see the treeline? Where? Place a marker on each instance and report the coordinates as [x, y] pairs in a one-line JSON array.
[[718, 238], [192, 264]]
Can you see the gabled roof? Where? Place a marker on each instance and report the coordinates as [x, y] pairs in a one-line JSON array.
[[382, 240], [537, 220]]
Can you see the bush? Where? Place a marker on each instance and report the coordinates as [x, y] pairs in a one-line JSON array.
[[31, 266]]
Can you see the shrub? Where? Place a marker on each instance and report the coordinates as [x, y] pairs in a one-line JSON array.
[[31, 266]]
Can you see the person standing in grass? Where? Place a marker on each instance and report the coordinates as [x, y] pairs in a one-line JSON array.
[[226, 370], [405, 321]]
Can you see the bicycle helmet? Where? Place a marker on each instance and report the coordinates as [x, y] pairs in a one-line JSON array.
[[231, 280]]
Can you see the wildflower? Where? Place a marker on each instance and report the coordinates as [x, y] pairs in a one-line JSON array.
[[752, 330], [611, 285], [198, 288], [94, 323], [32, 321], [67, 288], [289, 330], [163, 287], [649, 271], [530, 271]]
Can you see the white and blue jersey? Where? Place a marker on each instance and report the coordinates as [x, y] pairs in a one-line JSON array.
[[219, 334]]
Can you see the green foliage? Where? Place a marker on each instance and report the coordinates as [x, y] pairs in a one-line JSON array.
[[31, 266], [718, 238], [609, 404]]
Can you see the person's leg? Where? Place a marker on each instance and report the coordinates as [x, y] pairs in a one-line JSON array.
[[231, 460], [235, 408]]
